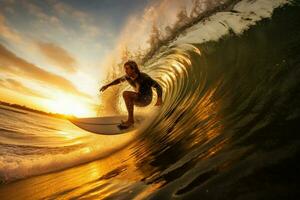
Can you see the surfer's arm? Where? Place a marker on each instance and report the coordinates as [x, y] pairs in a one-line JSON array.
[[115, 82], [158, 92]]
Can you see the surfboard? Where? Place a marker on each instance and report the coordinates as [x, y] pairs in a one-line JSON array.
[[106, 125]]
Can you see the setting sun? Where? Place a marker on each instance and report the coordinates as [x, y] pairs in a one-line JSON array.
[[70, 105]]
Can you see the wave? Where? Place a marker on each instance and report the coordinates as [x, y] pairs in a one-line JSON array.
[[213, 61], [228, 81], [18, 161], [231, 88]]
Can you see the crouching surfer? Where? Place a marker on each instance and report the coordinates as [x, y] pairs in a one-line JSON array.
[[142, 83]]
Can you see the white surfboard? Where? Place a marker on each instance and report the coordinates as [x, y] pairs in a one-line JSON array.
[[106, 125]]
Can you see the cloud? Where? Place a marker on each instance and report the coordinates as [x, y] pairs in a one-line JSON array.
[[63, 9], [17, 86], [58, 56], [7, 32], [12, 64], [60, 14], [35, 10], [40, 13], [7, 6]]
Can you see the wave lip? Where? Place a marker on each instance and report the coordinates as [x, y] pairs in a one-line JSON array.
[[239, 19]]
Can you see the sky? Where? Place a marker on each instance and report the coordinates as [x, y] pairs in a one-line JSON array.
[[54, 54]]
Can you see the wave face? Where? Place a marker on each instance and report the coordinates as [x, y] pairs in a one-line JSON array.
[[231, 106]]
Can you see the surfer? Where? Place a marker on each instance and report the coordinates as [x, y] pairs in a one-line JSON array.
[[142, 84]]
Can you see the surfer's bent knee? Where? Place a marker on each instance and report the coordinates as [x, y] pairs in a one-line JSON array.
[[129, 95], [143, 101]]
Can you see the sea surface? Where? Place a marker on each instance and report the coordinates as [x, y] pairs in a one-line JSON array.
[[228, 128]]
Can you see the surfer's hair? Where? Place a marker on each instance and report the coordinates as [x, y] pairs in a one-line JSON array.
[[133, 66]]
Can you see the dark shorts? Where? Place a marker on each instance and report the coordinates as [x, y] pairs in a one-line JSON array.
[[143, 100]]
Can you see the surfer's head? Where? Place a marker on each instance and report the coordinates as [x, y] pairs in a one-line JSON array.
[[132, 69]]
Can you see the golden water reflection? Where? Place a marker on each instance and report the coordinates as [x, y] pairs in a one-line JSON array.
[[103, 177]]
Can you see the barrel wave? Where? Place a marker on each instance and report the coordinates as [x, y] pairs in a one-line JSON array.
[[231, 113]]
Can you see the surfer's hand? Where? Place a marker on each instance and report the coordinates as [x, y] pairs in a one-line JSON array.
[[103, 88]]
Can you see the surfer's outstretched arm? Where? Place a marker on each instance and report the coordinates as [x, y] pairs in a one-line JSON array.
[[115, 82]]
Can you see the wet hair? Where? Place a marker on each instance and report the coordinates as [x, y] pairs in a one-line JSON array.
[[133, 66]]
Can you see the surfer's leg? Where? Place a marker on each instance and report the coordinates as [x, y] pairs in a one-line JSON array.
[[143, 100], [129, 98]]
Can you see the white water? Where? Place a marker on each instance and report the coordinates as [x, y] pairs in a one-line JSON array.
[[246, 14]]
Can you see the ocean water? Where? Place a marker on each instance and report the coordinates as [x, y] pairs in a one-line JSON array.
[[33, 144], [228, 128]]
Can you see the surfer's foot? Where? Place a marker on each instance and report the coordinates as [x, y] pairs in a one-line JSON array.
[[126, 124]]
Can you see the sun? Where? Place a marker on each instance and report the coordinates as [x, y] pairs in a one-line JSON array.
[[69, 105]]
